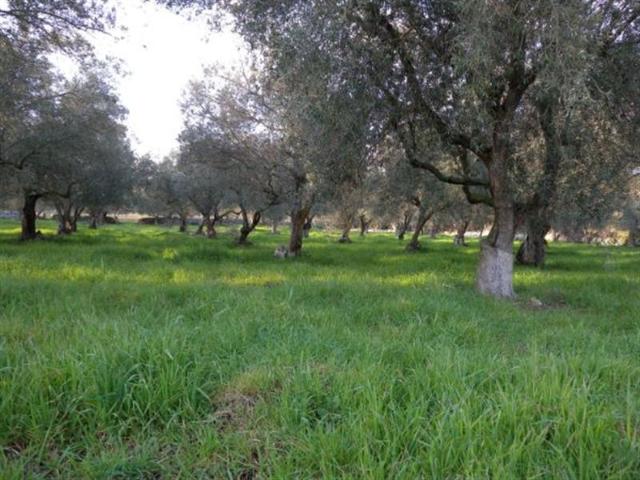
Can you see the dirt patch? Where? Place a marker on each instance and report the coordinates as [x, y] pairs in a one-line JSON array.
[[550, 301], [14, 449], [250, 472], [235, 404], [234, 410]]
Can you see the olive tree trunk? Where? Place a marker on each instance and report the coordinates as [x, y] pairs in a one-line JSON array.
[[209, 223], [29, 217], [532, 251], [403, 226], [424, 216], [200, 229], [183, 224], [537, 213], [308, 225], [77, 211], [248, 226], [344, 237], [206, 226], [458, 240], [495, 270], [364, 225], [634, 234], [65, 224], [96, 219], [298, 221]]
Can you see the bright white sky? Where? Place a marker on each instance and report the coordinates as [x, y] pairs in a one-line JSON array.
[[161, 51]]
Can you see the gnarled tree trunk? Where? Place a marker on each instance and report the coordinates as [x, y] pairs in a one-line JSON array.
[[96, 218], [346, 218], [206, 227], [29, 216], [364, 225], [458, 240], [200, 229], [248, 226], [344, 237], [495, 270], [538, 212], [65, 223], [210, 226], [403, 226], [634, 234], [183, 224], [308, 225], [532, 251], [423, 217], [298, 221], [75, 217]]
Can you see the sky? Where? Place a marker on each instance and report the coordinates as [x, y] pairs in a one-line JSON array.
[[160, 52]]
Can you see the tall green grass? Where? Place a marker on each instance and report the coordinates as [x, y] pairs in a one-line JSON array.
[[139, 352]]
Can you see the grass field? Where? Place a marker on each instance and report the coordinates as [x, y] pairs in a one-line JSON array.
[[139, 352]]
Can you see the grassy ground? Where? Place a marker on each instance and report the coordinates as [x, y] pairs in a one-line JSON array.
[[136, 352]]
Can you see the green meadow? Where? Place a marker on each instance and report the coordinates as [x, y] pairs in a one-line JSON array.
[[140, 352]]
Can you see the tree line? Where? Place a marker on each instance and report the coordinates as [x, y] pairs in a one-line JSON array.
[[530, 108], [522, 115]]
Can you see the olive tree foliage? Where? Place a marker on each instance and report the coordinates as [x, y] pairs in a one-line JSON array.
[[53, 24], [346, 166], [330, 131], [347, 203], [142, 198], [276, 216], [473, 74], [92, 168], [29, 30], [28, 89], [110, 180], [594, 190]]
